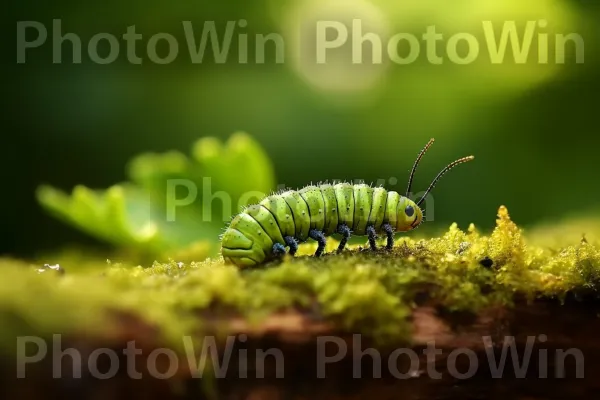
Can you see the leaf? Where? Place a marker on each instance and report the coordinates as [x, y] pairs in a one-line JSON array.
[[225, 177], [173, 204], [99, 213]]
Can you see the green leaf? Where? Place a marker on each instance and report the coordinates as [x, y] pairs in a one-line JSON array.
[[157, 211], [99, 213]]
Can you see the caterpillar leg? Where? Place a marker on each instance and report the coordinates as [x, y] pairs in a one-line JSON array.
[[292, 243], [372, 236], [389, 231], [345, 232], [320, 238], [278, 249]]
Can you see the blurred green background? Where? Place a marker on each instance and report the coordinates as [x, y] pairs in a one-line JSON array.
[[532, 127]]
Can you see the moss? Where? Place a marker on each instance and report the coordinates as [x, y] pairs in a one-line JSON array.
[[358, 291]]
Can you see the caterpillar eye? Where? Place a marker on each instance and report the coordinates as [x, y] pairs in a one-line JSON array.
[[410, 211]]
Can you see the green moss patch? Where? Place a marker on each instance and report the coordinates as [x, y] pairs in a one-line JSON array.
[[358, 291]]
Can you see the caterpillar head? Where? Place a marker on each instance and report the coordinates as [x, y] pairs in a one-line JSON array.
[[409, 214]]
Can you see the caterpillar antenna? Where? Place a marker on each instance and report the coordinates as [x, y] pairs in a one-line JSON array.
[[442, 172], [414, 168]]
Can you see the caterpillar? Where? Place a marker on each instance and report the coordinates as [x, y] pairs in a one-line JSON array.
[[262, 231]]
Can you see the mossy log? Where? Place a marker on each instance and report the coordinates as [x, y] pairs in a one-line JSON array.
[[572, 324], [462, 291]]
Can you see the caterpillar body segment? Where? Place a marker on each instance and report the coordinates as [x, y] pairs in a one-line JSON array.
[[263, 231], [300, 213], [313, 197], [267, 221], [363, 200], [331, 209], [344, 194], [377, 214], [282, 213], [391, 206]]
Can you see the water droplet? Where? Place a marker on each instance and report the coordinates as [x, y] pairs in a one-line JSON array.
[[47, 267]]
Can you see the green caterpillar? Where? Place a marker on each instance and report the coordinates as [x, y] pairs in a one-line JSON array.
[[263, 231]]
